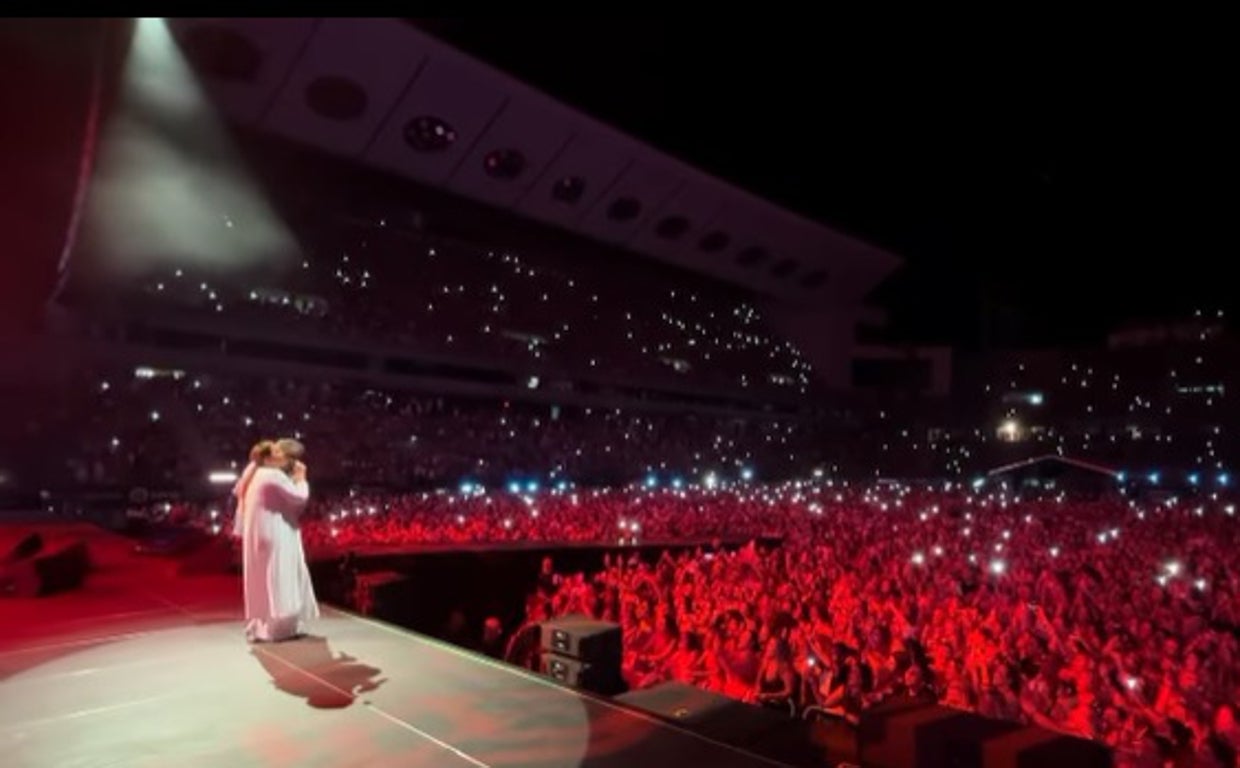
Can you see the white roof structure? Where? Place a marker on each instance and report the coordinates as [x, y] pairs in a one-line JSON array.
[[391, 96]]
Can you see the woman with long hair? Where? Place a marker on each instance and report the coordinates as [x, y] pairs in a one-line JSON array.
[[272, 492]]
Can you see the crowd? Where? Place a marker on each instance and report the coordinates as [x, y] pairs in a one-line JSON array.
[[1113, 618], [1161, 408], [363, 279], [1109, 619], [171, 429], [623, 516]]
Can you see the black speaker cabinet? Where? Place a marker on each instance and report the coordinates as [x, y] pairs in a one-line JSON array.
[[581, 637], [762, 731], [604, 679], [905, 734]]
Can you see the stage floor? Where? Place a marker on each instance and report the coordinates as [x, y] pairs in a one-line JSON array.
[[145, 667]]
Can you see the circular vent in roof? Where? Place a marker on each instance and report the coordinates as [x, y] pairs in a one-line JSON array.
[[427, 133]]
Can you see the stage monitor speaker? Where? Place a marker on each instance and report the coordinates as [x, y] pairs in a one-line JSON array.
[[604, 679], [580, 637], [27, 547], [711, 714], [766, 732], [905, 734], [769, 733]]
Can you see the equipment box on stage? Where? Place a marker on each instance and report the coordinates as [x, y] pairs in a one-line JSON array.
[[580, 637], [910, 734], [766, 732], [603, 679]]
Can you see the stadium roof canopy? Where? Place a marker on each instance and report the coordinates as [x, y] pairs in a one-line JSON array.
[[1052, 462], [1052, 472], [386, 94]]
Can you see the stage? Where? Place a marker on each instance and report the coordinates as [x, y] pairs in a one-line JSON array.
[[147, 667]]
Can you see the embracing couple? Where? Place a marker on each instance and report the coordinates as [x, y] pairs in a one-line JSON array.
[[271, 496]]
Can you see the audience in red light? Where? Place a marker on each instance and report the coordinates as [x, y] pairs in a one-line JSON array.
[[1110, 618], [1106, 619]]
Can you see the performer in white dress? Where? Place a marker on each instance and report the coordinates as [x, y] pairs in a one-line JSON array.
[[272, 493]]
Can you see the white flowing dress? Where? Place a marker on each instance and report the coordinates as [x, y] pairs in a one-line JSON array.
[[279, 596]]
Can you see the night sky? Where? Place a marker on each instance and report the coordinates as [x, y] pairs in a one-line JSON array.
[[1040, 190]]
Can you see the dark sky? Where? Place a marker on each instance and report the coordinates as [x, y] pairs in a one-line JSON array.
[[1041, 189]]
